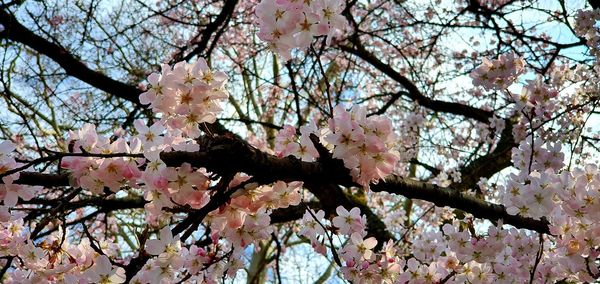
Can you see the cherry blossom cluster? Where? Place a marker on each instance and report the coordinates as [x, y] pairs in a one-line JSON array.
[[531, 195], [533, 190], [168, 187], [51, 260], [569, 201], [537, 104], [500, 256], [364, 144], [9, 191], [574, 221], [244, 222], [247, 217], [444, 180], [288, 24], [186, 95], [158, 138], [234, 227], [163, 186], [498, 74], [545, 156], [587, 26], [451, 254], [95, 174], [173, 262], [408, 130], [362, 263], [286, 143], [349, 223], [54, 260], [537, 99], [170, 257]]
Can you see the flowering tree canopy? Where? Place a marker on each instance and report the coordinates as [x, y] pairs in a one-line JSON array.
[[298, 141]]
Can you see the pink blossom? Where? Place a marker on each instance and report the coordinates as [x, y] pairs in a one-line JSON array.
[[12, 192], [498, 74], [360, 249], [349, 222], [103, 272], [166, 247]]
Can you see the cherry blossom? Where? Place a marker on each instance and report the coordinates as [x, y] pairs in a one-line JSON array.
[[499, 73], [104, 272], [363, 144], [186, 95], [12, 192], [312, 226], [7, 162], [286, 25], [349, 222], [166, 247], [360, 249]]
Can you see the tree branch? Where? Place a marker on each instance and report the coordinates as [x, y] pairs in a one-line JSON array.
[[413, 91], [221, 20], [225, 154], [15, 31]]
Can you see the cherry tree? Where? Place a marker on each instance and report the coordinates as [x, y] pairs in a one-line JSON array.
[[291, 141]]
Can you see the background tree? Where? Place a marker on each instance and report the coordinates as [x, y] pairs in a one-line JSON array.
[[173, 141]]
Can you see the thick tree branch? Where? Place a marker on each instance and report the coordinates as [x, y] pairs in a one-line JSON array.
[[15, 31], [224, 154], [488, 165], [453, 198]]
